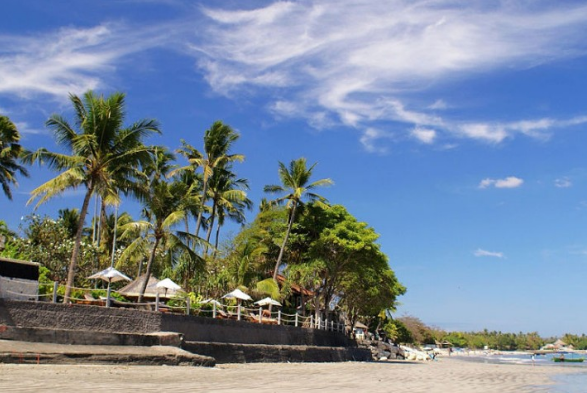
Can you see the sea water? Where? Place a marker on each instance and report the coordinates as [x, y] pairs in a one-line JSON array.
[[564, 383]]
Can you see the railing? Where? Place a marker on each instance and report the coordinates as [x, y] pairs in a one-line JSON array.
[[254, 315]]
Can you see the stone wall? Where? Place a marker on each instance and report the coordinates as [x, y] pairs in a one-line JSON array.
[[115, 320], [77, 317], [241, 332]]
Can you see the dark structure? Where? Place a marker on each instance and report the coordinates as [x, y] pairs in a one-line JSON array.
[[225, 340]]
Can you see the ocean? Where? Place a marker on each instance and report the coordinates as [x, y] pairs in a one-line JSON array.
[[564, 383]]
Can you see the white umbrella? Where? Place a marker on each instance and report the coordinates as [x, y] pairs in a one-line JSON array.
[[111, 275], [168, 284], [237, 294], [267, 301]]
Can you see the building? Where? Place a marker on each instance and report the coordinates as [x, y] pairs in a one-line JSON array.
[[19, 280]]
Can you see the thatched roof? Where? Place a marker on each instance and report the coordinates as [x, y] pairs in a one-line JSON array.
[[560, 343], [134, 288]]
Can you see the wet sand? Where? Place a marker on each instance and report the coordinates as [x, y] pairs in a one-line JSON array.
[[444, 375]]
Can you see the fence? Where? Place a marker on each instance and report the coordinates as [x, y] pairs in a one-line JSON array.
[[53, 292]]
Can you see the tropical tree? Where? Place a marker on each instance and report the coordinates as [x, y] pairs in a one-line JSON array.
[[103, 157], [10, 152], [229, 199], [163, 210], [295, 181], [218, 141]]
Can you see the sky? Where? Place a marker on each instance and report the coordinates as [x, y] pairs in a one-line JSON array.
[[456, 129]]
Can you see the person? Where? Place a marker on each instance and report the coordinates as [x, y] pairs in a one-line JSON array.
[[449, 351], [533, 358]]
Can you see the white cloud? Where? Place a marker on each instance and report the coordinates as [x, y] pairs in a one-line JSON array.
[[70, 60], [484, 253], [331, 74], [438, 105], [563, 182], [424, 135], [24, 129], [363, 75], [508, 182], [369, 140]]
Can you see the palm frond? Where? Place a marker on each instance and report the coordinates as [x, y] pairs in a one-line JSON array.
[[71, 178]]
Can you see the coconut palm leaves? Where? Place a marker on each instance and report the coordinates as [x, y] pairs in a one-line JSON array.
[[295, 182], [218, 141], [229, 199], [164, 204], [10, 152], [102, 156]]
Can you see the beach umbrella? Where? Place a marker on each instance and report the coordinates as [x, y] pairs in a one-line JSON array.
[[267, 301], [237, 294], [168, 284], [111, 275]]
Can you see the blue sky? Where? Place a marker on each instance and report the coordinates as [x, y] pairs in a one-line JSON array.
[[455, 128]]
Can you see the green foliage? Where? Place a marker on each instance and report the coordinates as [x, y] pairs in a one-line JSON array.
[[10, 153], [269, 287], [398, 332], [102, 293], [49, 243], [180, 300], [578, 342]]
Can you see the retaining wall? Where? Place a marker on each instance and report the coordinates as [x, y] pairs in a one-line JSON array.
[[115, 320]]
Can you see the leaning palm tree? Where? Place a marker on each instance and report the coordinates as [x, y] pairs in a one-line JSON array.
[[295, 181], [218, 140], [10, 151], [103, 157]]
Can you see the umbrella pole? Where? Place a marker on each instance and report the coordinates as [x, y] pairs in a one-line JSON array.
[[108, 294]]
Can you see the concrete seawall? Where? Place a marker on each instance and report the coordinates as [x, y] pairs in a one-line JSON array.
[[49, 322]]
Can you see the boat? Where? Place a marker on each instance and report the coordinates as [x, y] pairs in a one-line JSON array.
[[567, 360]]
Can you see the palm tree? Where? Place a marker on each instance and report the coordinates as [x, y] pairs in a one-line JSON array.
[[229, 198], [163, 209], [295, 180], [218, 140], [103, 157], [10, 152]]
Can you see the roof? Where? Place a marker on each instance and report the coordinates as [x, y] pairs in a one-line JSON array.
[[31, 263], [133, 288], [294, 287]]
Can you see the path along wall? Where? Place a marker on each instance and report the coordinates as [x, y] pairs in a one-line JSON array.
[[117, 320]]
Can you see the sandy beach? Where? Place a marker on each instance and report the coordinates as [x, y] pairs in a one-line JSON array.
[[445, 375]]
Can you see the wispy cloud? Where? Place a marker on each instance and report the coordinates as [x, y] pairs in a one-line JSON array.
[[25, 129], [484, 253], [363, 75], [70, 60], [310, 65], [563, 182], [508, 182], [369, 140]]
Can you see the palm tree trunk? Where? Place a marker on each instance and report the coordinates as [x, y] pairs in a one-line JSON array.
[[209, 233], [140, 267], [148, 273], [187, 230], [77, 245], [216, 240], [199, 222], [282, 249]]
